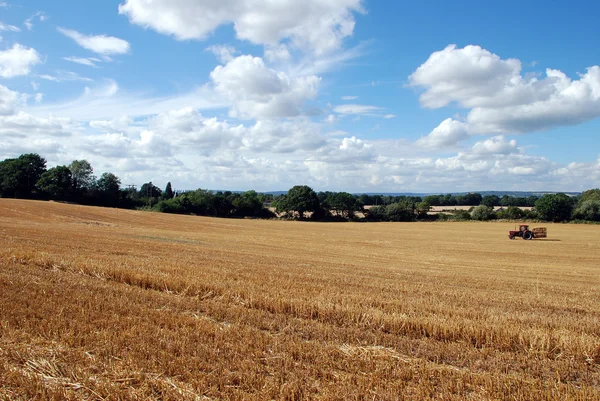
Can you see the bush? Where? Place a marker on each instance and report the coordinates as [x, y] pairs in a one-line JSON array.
[[483, 213], [461, 215], [511, 213], [588, 210]]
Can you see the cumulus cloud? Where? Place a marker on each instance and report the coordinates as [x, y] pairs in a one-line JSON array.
[[18, 61], [257, 91], [496, 145], [283, 137], [224, 53], [9, 100], [147, 145], [101, 44], [315, 25], [22, 123], [501, 100], [448, 133]]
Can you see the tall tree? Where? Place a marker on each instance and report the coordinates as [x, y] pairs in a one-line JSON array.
[[109, 189], [168, 194], [56, 183], [299, 199], [82, 174], [555, 207], [19, 176]]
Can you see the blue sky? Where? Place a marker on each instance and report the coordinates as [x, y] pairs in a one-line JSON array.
[[338, 94]]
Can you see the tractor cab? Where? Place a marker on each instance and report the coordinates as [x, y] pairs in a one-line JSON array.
[[523, 228]]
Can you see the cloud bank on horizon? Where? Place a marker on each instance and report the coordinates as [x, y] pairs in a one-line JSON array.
[[266, 95]]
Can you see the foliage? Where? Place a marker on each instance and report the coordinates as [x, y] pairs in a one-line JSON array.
[[511, 213], [82, 174], [299, 199], [18, 177], [588, 210], [482, 213], [344, 204], [491, 200], [56, 183], [592, 194], [555, 207], [168, 193], [109, 189]]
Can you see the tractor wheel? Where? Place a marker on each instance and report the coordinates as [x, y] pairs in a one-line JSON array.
[[511, 236], [527, 235]]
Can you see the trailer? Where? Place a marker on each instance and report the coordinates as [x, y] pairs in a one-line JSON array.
[[527, 234]]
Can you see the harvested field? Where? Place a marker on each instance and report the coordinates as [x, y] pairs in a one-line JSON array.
[[106, 304]]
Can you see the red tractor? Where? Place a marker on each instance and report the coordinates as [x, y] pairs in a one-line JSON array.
[[526, 234]]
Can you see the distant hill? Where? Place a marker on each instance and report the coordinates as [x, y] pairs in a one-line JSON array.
[[517, 194]]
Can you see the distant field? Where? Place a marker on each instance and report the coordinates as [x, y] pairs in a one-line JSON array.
[[107, 304]]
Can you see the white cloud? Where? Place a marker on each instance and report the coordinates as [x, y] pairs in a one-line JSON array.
[[35, 85], [356, 109], [448, 133], [29, 21], [224, 53], [257, 91], [362, 110], [39, 97], [90, 62], [23, 123], [501, 100], [64, 76], [271, 136], [349, 97], [101, 44], [496, 145], [116, 125], [315, 25], [17, 61], [147, 145], [11, 28], [9, 101], [277, 53], [109, 101]]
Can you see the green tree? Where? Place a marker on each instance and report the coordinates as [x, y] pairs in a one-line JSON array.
[[19, 176], [344, 204], [109, 189], [56, 183], [168, 194], [299, 199], [490, 200], [511, 212], [423, 208], [482, 213], [149, 190], [588, 210], [399, 212], [555, 207], [82, 174], [247, 204], [592, 194]]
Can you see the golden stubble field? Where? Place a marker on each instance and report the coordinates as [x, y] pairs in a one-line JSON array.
[[106, 304]]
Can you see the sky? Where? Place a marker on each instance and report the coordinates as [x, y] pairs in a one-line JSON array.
[[340, 95]]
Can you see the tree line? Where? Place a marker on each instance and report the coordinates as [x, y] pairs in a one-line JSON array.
[[27, 177]]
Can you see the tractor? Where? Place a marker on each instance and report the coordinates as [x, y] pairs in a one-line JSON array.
[[526, 234]]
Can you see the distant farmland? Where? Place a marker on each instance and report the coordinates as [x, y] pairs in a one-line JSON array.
[[114, 304]]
